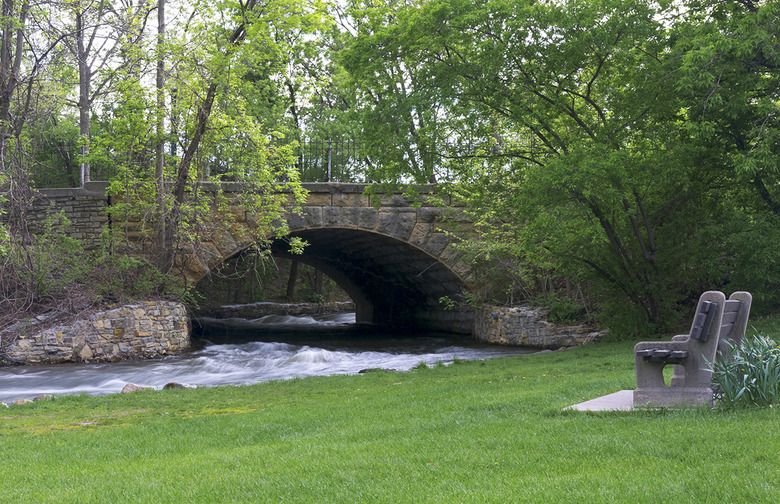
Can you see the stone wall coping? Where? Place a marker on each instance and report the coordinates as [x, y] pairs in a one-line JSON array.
[[90, 189]]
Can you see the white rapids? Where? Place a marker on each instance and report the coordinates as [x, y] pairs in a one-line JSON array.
[[241, 352]]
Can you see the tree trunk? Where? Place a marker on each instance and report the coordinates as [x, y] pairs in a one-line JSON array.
[[162, 253], [10, 65], [85, 77]]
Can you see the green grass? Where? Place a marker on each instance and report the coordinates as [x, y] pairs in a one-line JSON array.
[[490, 431]]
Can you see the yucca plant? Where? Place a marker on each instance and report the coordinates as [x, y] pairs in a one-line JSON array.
[[748, 375]]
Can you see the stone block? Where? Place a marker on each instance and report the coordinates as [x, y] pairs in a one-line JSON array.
[[368, 218], [331, 217], [318, 199], [312, 216], [295, 221], [349, 217], [223, 242], [349, 200], [430, 214], [399, 225], [435, 243], [394, 200]]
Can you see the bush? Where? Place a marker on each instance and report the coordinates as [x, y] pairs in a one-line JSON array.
[[748, 376], [53, 274]]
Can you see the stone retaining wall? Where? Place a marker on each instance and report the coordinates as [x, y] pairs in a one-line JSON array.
[[84, 207], [257, 310], [143, 330], [528, 326]]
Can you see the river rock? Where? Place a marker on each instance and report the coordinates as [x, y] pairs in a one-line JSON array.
[[19, 402], [177, 385], [131, 387], [42, 397], [3, 404]]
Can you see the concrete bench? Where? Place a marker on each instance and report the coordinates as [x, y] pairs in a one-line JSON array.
[[716, 321]]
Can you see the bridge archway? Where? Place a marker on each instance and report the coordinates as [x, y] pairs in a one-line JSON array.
[[392, 282]]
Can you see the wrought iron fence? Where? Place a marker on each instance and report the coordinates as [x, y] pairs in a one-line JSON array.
[[63, 175], [329, 160], [319, 160]]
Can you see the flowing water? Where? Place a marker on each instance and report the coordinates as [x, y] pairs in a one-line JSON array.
[[241, 351]]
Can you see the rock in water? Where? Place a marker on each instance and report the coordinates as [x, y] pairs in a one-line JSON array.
[[42, 397], [19, 402], [179, 385], [130, 387]]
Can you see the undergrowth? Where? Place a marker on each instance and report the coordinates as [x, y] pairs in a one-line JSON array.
[[52, 277]]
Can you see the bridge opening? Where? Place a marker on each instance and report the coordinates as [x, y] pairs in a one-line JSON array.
[[252, 276], [392, 282]]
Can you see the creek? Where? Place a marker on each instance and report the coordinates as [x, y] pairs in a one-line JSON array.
[[241, 352]]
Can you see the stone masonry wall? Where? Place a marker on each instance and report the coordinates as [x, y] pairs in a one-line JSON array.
[[84, 207], [528, 326], [143, 330], [257, 310]]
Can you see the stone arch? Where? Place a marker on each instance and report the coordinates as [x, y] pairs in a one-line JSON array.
[[393, 283], [392, 259]]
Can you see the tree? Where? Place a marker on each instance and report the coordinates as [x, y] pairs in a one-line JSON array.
[[210, 55], [402, 119], [573, 145], [23, 58], [727, 63], [93, 32]]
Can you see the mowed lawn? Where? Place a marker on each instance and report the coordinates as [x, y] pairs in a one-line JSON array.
[[479, 431]]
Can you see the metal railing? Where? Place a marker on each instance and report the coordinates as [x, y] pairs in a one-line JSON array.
[[329, 160], [319, 160]]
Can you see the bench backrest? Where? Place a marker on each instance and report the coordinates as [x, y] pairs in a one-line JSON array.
[[702, 321], [730, 312], [735, 317]]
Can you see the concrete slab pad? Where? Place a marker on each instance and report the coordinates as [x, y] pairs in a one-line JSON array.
[[618, 401]]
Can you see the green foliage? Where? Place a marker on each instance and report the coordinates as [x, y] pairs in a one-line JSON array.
[[53, 262], [565, 311], [748, 375], [121, 278], [309, 295], [55, 275], [55, 146], [593, 144]]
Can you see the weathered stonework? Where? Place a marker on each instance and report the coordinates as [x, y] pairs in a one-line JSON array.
[[143, 330], [396, 260], [257, 310], [528, 326], [85, 208]]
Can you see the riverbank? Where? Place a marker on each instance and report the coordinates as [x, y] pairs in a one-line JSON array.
[[477, 431]]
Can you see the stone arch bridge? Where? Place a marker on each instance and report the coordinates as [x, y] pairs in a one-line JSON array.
[[394, 259]]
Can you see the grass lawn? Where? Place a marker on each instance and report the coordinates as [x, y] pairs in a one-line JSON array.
[[490, 431]]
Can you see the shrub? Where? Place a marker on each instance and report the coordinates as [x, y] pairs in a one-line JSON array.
[[748, 376], [53, 274]]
